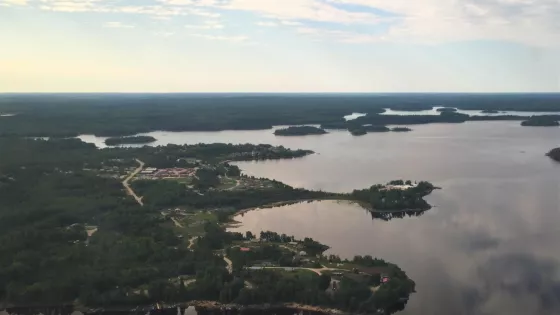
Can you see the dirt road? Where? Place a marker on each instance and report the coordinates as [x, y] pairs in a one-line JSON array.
[[127, 180], [191, 242], [229, 264]]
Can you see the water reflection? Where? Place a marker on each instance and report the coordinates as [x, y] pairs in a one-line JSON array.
[[388, 216], [488, 247]]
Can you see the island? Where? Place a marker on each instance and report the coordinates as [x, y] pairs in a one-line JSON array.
[[490, 111], [145, 227], [554, 154], [447, 109], [129, 140], [401, 129], [540, 121], [359, 130], [299, 131]]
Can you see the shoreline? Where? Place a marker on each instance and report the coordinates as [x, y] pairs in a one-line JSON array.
[[290, 202]]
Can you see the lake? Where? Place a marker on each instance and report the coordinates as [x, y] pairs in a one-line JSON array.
[[434, 111], [489, 245]]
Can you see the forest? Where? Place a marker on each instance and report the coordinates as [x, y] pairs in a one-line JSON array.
[[67, 115], [554, 154], [129, 140], [541, 122], [381, 198], [299, 131], [70, 236]]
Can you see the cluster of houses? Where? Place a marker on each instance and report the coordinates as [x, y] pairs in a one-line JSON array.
[[168, 172]]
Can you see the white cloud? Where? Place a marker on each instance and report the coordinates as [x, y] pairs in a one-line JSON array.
[[291, 23], [525, 21], [339, 36], [207, 25], [231, 39], [117, 25], [532, 22], [164, 34], [13, 2], [266, 24]]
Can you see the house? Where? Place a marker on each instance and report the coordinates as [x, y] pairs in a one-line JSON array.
[[384, 278]]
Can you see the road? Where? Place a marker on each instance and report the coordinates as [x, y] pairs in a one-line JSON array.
[[318, 271], [191, 242], [177, 223], [127, 180], [229, 264]]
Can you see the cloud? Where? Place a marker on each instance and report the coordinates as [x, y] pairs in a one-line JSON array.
[[207, 25], [291, 23], [525, 21], [533, 22], [266, 24], [339, 35], [12, 2], [231, 39], [117, 25]]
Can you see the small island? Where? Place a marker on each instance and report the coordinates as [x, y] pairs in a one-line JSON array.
[[376, 128], [540, 122], [554, 154], [129, 140], [401, 129], [397, 195], [490, 111], [300, 131], [359, 130], [447, 109]]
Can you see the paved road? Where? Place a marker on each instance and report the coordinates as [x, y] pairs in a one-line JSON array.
[[127, 185]]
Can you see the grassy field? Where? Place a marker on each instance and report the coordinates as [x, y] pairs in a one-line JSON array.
[[227, 183], [193, 225], [182, 180]]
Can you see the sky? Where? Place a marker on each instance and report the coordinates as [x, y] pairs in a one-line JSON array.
[[279, 46]]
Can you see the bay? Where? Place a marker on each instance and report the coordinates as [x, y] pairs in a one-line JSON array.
[[489, 245]]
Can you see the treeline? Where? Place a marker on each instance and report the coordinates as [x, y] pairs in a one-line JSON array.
[[299, 131], [67, 115], [173, 155], [544, 121], [169, 194], [129, 140]]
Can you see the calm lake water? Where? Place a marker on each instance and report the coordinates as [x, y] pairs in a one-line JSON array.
[[434, 111], [489, 245]]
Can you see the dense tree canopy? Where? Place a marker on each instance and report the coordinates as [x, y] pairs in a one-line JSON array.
[[299, 131], [64, 115]]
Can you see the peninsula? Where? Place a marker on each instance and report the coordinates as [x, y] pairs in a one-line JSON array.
[[536, 121], [169, 244], [129, 140], [447, 109], [554, 154], [300, 131]]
